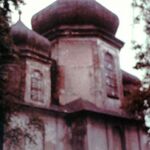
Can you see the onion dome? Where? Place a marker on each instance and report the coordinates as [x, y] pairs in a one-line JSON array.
[[75, 12], [130, 79], [28, 39]]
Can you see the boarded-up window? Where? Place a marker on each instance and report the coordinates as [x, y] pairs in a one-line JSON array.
[[110, 75], [37, 86]]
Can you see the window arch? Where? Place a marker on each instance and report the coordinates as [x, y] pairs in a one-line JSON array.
[[37, 86], [110, 75]]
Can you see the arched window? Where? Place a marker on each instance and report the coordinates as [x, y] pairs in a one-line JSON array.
[[110, 75], [37, 86]]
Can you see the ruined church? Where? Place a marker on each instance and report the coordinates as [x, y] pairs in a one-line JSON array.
[[68, 82]]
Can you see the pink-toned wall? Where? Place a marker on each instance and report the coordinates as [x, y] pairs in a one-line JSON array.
[[81, 61]]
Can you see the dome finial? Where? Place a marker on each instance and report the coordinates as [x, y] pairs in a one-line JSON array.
[[19, 12]]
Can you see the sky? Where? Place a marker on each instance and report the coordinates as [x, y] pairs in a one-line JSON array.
[[122, 8]]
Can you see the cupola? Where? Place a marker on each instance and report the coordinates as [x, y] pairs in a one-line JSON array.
[[24, 38], [85, 51], [35, 61], [75, 12]]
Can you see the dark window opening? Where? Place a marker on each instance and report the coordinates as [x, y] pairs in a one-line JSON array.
[[37, 86], [110, 75]]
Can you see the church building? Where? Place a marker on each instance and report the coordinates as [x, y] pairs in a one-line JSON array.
[[68, 83]]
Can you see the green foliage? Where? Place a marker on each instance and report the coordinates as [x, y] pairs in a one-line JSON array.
[[134, 102], [35, 121], [4, 32], [5, 10], [6, 104], [5, 4], [17, 134], [5, 39], [143, 50]]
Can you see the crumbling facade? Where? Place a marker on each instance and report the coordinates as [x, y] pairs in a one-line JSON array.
[[68, 83]]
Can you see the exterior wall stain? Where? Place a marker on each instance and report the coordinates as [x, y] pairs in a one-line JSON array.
[[54, 81], [68, 51], [78, 134]]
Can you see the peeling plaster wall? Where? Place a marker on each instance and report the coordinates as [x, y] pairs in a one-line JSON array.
[[75, 133], [107, 135], [53, 136], [82, 71], [75, 57], [56, 134], [97, 138], [132, 139], [25, 136]]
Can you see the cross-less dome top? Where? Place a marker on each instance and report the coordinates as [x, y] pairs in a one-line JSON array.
[[26, 38], [75, 12], [130, 79]]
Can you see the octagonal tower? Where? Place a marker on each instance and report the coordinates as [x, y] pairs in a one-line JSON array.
[[85, 51]]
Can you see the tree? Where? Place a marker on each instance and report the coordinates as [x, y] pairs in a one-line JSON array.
[[143, 50], [136, 99], [5, 10], [138, 102], [5, 49], [5, 39]]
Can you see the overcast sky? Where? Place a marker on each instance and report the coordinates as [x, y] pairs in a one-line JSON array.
[[122, 8]]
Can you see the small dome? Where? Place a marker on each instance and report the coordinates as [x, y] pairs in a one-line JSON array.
[[26, 38], [75, 12], [130, 79]]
